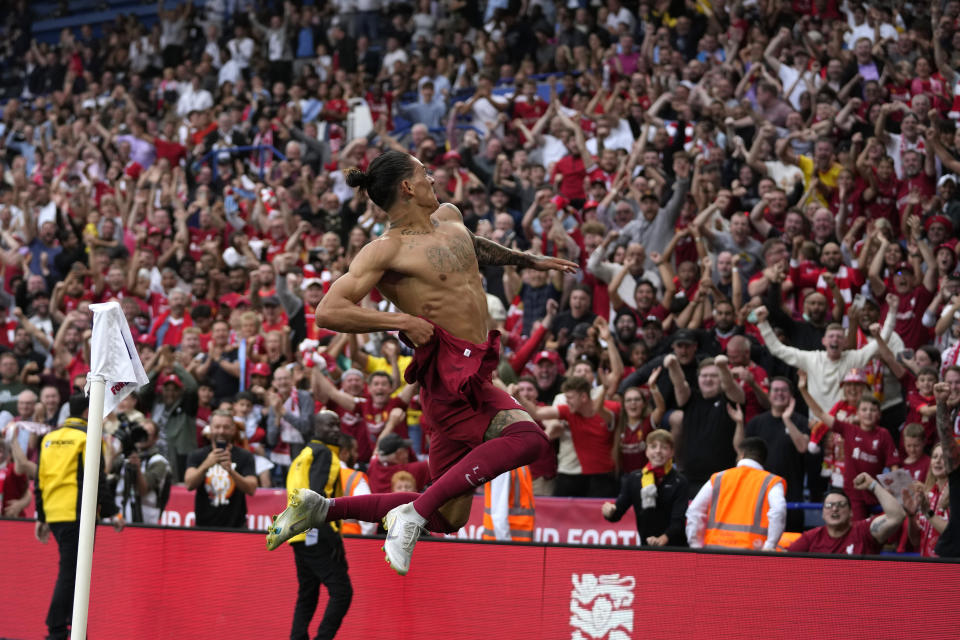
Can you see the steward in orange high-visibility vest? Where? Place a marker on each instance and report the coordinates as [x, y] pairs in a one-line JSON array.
[[740, 508], [350, 479], [508, 500]]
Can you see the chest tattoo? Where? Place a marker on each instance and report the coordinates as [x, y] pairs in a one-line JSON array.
[[455, 257]]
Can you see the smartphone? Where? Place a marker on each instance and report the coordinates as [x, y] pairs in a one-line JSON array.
[[220, 444], [906, 354]]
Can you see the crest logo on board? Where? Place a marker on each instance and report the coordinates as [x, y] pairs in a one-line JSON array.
[[601, 607]]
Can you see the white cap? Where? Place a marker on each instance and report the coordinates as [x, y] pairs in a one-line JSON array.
[[232, 257], [309, 281]]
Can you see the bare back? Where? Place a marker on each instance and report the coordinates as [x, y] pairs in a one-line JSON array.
[[436, 276]]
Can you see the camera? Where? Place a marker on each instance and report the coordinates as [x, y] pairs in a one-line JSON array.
[[129, 433], [318, 255]]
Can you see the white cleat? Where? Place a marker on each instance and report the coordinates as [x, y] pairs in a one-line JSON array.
[[307, 509], [403, 525]]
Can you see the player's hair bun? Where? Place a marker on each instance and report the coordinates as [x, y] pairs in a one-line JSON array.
[[357, 178]]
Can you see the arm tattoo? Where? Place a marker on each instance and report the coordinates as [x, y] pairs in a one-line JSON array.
[[951, 451], [493, 253], [876, 527]]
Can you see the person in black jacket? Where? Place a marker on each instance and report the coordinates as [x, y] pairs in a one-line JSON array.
[[808, 334], [658, 494]]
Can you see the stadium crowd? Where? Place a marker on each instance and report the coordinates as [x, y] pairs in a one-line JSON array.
[[759, 193]]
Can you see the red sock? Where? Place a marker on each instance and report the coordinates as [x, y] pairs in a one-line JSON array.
[[372, 508], [369, 508], [521, 443]]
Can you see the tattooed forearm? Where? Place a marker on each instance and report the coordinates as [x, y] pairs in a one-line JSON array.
[[493, 253], [951, 450]]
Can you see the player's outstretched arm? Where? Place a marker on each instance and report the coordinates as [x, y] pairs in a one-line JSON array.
[[339, 311], [494, 253]]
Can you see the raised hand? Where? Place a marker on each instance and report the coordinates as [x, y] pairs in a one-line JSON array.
[[553, 308], [788, 412], [862, 481], [742, 374], [941, 391], [389, 351], [603, 327], [654, 376], [735, 412], [801, 379]]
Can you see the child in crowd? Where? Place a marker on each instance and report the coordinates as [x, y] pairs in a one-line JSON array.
[[914, 459], [922, 407]]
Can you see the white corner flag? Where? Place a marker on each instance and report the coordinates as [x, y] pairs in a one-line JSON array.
[[115, 372], [114, 356]]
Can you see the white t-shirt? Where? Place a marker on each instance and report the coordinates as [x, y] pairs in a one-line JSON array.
[[393, 57], [614, 20], [896, 145], [887, 32], [241, 50], [620, 138], [229, 72], [191, 100], [484, 114], [784, 175], [792, 82], [552, 150]]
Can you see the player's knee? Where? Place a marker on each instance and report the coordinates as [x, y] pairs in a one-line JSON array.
[[452, 516], [457, 521]]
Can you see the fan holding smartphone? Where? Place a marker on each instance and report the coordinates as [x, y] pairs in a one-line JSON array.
[[222, 475]]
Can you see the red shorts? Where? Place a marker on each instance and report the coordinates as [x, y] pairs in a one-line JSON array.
[[456, 394]]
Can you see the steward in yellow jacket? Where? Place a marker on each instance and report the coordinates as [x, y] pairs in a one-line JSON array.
[[58, 490], [319, 554]]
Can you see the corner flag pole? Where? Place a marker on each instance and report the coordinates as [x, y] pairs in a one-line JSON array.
[[114, 364], [88, 508]]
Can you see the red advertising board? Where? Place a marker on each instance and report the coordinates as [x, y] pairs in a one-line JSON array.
[[562, 520], [152, 583]]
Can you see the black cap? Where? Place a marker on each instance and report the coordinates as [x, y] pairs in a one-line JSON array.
[[652, 320], [582, 330], [270, 301], [647, 195], [684, 335], [391, 442]]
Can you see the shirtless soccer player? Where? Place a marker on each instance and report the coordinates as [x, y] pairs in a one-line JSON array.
[[427, 264]]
